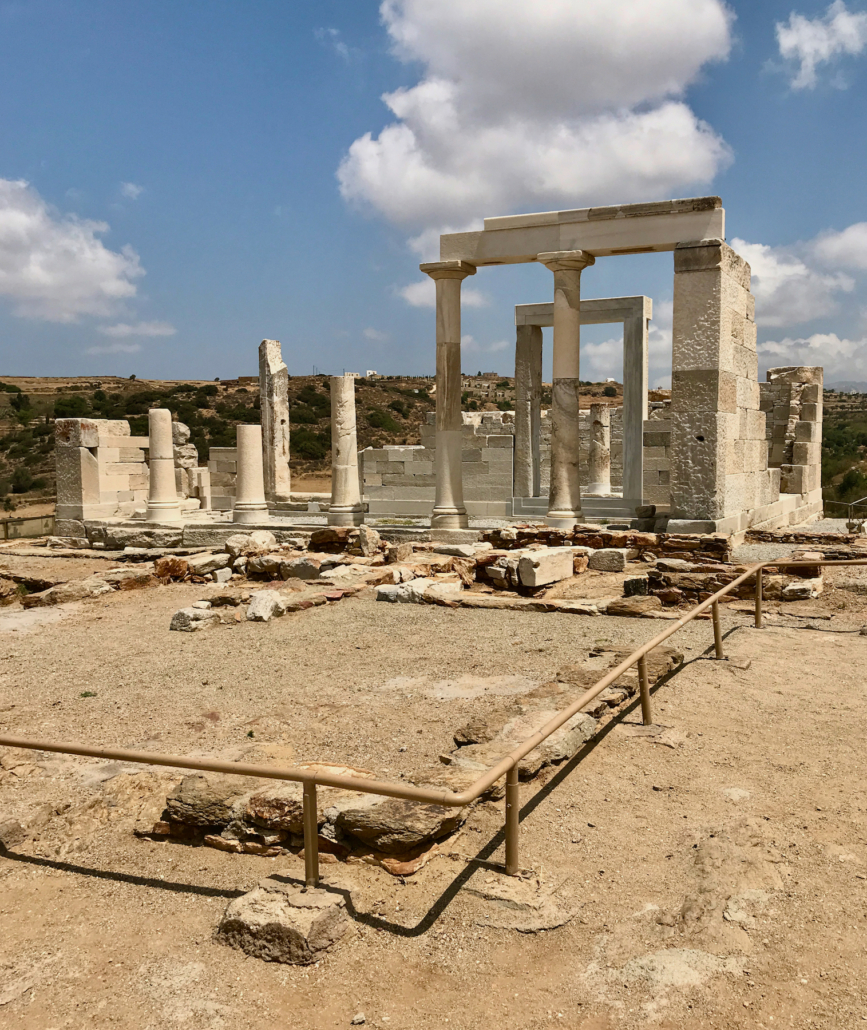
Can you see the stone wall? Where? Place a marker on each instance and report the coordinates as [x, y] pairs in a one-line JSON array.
[[719, 463], [101, 471], [792, 401], [222, 469], [657, 454], [402, 480]]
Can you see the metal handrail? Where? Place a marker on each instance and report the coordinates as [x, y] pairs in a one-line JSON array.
[[507, 766]]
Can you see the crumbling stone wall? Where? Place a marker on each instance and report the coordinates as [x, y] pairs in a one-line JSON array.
[[99, 474], [792, 401], [222, 469]]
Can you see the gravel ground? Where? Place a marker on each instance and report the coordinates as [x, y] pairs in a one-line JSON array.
[[717, 870]]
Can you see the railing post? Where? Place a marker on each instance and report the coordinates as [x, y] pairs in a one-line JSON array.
[[513, 809], [759, 598], [717, 631], [311, 835], [644, 683]]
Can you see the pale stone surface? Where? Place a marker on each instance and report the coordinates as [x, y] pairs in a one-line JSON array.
[[528, 404], [187, 620], [163, 502], [274, 406], [258, 542], [564, 502], [264, 605], [250, 504], [609, 559], [600, 450], [538, 568], [346, 508], [205, 564], [449, 511], [601, 231], [278, 921]]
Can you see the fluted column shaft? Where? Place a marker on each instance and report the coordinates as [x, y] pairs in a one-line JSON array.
[[250, 504], [163, 502], [449, 511], [564, 501], [346, 508]]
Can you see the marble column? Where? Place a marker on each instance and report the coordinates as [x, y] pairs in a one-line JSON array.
[[250, 504], [564, 501], [346, 508], [163, 502], [599, 458], [274, 403], [635, 400], [449, 511], [528, 410]]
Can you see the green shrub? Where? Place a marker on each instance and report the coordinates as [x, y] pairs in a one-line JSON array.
[[399, 407], [380, 419], [310, 445], [22, 480], [300, 414], [72, 407], [609, 391]]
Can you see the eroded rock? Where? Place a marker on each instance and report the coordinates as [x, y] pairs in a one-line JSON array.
[[280, 922]]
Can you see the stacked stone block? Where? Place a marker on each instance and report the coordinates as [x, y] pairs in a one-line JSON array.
[[222, 470], [792, 401], [719, 468], [657, 455], [101, 471]]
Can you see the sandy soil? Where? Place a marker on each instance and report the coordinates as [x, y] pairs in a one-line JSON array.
[[718, 870]]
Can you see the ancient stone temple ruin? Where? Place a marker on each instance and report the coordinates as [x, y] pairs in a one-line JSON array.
[[726, 454]]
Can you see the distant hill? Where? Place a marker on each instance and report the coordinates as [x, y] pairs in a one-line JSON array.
[[847, 385]]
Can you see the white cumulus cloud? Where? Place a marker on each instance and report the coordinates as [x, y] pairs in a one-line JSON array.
[[122, 329], [543, 103], [422, 294], [787, 287], [376, 335], [114, 348], [54, 267], [809, 42], [846, 249], [841, 358], [131, 190]]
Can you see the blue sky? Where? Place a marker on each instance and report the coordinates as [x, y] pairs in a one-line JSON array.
[[178, 181]]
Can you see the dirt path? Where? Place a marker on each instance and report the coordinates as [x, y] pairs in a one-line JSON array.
[[718, 871]]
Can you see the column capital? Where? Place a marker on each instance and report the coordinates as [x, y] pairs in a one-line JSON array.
[[448, 269], [560, 260]]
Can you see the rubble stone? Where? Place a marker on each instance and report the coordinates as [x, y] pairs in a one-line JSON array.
[[398, 553], [608, 559], [280, 922], [393, 825], [538, 568], [187, 620], [205, 800], [171, 567], [76, 590], [265, 605], [633, 606]]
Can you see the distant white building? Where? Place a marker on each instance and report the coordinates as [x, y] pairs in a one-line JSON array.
[[371, 374]]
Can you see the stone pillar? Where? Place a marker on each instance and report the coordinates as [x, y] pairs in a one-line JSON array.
[[163, 503], [274, 404], [635, 401], [719, 469], [564, 500], [599, 459], [346, 508], [449, 511], [528, 410], [250, 504]]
